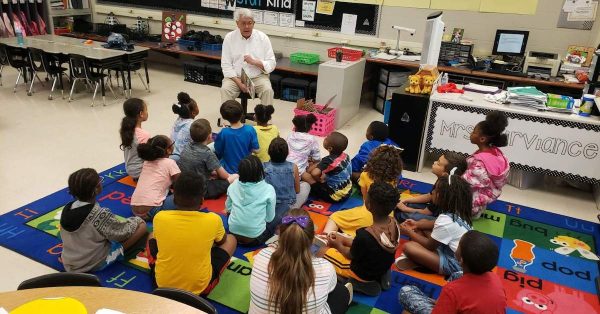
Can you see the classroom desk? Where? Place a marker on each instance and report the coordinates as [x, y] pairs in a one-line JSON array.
[[95, 298], [558, 144], [97, 55], [283, 64], [481, 74]]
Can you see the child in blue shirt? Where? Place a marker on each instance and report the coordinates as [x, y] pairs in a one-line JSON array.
[[250, 204], [236, 142], [377, 134]]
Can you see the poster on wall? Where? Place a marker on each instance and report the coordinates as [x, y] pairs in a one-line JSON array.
[[533, 143], [173, 26]]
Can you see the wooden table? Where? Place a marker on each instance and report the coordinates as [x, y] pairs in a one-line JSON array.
[[283, 64], [481, 74], [95, 298]]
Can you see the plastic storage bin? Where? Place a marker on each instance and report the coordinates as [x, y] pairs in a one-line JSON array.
[[349, 54], [304, 58], [188, 44], [194, 72], [214, 74], [293, 89], [212, 47], [325, 121]]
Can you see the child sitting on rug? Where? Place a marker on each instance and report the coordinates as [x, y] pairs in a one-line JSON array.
[[92, 236], [289, 279], [377, 134], [158, 173], [421, 207], [304, 147], [369, 256], [250, 204], [487, 170], [435, 249], [132, 134], [477, 255], [187, 109], [237, 141], [330, 179], [264, 131], [199, 159], [385, 165], [283, 176], [189, 249]]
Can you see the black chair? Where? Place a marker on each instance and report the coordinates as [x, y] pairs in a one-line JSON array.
[[42, 61], [60, 280], [17, 58], [3, 60], [187, 298], [81, 70], [132, 64], [245, 114]]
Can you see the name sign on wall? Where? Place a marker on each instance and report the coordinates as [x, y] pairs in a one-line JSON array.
[[533, 144]]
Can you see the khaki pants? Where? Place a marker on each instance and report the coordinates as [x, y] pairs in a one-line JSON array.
[[264, 91]]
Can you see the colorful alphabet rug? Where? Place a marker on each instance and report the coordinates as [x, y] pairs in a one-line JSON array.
[[548, 262]]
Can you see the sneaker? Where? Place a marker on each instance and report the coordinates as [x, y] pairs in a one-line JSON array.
[[404, 263], [350, 290], [320, 240]]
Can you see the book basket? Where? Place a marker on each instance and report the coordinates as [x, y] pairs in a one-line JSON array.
[[325, 121]]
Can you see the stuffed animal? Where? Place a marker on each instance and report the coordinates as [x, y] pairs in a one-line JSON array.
[[427, 84], [415, 84]]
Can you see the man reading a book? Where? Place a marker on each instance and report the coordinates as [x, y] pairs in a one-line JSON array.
[[248, 49]]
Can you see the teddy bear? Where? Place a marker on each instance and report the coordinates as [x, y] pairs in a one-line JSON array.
[[415, 84], [427, 84]]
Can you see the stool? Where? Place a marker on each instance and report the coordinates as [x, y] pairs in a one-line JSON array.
[[195, 72], [312, 90], [214, 74], [276, 84], [293, 89]]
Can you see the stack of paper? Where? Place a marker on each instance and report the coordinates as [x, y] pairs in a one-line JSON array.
[[483, 89], [527, 96]]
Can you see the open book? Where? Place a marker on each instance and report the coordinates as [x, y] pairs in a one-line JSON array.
[[248, 82]]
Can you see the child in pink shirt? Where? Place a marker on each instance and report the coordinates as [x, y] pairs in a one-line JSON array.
[[487, 170], [304, 149], [158, 173], [132, 134]]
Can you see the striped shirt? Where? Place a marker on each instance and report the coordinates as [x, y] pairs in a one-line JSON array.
[[325, 281]]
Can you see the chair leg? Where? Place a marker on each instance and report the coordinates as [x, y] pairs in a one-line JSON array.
[[62, 87], [18, 79], [95, 92], [53, 86], [30, 91], [112, 91], [143, 81], [1, 69], [39, 79], [72, 88]]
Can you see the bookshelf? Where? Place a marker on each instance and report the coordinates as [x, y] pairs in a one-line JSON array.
[[62, 13]]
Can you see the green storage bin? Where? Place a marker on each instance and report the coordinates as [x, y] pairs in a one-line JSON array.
[[304, 58]]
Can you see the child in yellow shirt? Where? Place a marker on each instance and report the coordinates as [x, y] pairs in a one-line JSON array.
[[264, 131]]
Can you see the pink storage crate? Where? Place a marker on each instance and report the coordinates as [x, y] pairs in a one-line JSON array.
[[325, 121]]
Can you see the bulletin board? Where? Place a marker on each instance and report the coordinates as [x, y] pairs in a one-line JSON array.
[[367, 17], [284, 13]]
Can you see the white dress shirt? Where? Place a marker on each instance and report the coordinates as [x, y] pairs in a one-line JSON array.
[[235, 47]]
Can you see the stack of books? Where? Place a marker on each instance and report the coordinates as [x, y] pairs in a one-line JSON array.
[[527, 96]]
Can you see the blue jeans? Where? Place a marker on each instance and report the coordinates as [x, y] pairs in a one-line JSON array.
[[281, 208], [168, 203], [448, 262]]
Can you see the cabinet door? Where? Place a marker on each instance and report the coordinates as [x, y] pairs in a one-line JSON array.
[[408, 114]]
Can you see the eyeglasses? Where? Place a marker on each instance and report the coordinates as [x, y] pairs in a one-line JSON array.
[[250, 23]]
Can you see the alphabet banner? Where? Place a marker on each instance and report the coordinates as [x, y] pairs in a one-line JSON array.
[[283, 6], [535, 143]]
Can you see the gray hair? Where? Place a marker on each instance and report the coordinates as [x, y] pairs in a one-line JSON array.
[[239, 13]]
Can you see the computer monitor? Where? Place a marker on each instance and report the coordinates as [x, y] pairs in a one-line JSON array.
[[510, 43]]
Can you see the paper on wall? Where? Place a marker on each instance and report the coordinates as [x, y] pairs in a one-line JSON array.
[[509, 6], [271, 18], [308, 10], [349, 24], [299, 23], [459, 5], [214, 4], [257, 15], [571, 5], [325, 7], [286, 19], [421, 4], [583, 13], [205, 3]]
